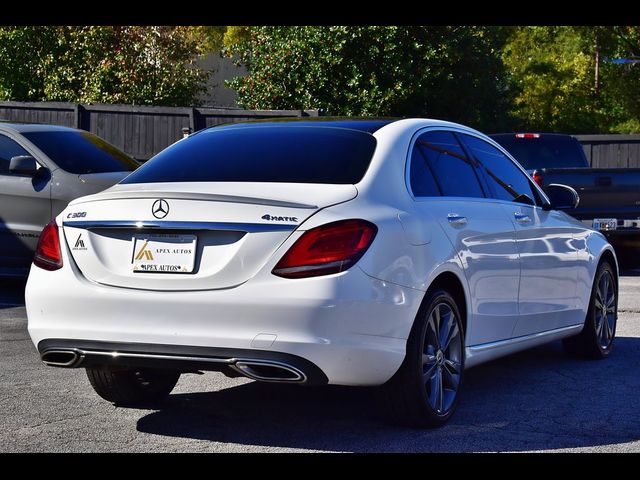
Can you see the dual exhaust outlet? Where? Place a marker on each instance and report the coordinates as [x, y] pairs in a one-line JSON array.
[[256, 369]]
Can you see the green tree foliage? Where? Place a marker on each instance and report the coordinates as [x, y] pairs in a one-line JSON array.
[[493, 78], [138, 65], [553, 76], [208, 39], [539, 78], [446, 72], [551, 69], [619, 92]]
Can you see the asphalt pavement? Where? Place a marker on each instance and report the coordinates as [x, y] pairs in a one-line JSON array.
[[539, 400]]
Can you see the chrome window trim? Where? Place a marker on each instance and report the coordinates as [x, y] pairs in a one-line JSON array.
[[473, 133]]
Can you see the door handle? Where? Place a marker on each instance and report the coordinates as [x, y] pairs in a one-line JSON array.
[[455, 219], [522, 217]]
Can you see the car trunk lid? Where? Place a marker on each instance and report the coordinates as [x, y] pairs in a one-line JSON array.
[[198, 235]]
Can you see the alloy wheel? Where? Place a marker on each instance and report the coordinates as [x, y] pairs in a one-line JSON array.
[[442, 358], [605, 310]]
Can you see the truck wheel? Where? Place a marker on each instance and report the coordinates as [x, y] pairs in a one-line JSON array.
[[424, 391], [132, 386], [596, 339]]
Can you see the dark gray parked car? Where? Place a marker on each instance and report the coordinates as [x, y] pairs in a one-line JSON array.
[[43, 168]]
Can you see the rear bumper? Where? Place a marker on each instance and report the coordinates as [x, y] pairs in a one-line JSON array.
[[347, 329], [255, 364]]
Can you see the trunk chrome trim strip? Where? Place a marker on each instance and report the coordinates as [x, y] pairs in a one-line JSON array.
[[161, 225], [209, 197]]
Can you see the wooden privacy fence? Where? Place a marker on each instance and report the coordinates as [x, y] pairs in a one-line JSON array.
[[140, 131], [609, 151], [143, 131]]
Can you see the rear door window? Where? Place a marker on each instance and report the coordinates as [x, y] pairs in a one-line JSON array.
[[506, 181], [439, 166]]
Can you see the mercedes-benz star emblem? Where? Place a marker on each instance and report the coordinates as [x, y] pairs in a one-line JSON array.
[[160, 208]]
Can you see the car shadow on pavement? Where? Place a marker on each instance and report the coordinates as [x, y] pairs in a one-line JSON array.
[[535, 400]]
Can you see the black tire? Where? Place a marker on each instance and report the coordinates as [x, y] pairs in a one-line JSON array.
[[411, 396], [132, 386], [596, 339]]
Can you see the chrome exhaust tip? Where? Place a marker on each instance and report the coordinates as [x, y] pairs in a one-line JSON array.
[[269, 371], [61, 358]]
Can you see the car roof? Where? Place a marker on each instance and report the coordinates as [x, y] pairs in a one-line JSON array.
[[33, 127], [364, 124]]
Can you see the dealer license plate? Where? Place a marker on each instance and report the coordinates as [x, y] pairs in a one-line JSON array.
[[605, 223], [160, 253]]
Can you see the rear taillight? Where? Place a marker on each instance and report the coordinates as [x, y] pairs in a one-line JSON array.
[[48, 254], [537, 177], [330, 248], [527, 135]]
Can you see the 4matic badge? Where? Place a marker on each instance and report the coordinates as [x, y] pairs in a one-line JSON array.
[[79, 245], [273, 218]]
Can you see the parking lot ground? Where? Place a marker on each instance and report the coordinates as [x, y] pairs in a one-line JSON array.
[[539, 400]]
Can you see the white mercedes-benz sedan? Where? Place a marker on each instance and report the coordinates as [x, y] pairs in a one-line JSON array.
[[337, 251]]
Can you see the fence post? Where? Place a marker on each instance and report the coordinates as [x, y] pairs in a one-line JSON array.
[[79, 113], [192, 119], [199, 121]]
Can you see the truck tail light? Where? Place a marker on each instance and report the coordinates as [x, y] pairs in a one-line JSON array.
[[537, 177]]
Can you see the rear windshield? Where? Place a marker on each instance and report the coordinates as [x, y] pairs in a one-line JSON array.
[[81, 152], [287, 154], [543, 152]]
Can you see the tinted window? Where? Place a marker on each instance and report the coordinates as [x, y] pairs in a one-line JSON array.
[[548, 151], [505, 179], [423, 183], [81, 152], [286, 154], [439, 166], [9, 149]]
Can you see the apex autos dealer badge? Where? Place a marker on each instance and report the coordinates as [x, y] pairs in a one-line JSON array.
[[79, 244], [163, 253]]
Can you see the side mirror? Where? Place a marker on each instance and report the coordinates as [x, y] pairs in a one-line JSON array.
[[563, 197], [23, 165]]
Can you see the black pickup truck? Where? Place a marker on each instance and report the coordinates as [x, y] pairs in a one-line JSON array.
[[609, 197]]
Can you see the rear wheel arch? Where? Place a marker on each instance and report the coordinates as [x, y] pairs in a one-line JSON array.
[[450, 282], [410, 396], [596, 339], [607, 255]]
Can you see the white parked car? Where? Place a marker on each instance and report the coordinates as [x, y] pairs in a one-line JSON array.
[[350, 252]]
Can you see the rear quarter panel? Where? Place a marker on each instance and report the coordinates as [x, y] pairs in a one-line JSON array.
[[591, 245]]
